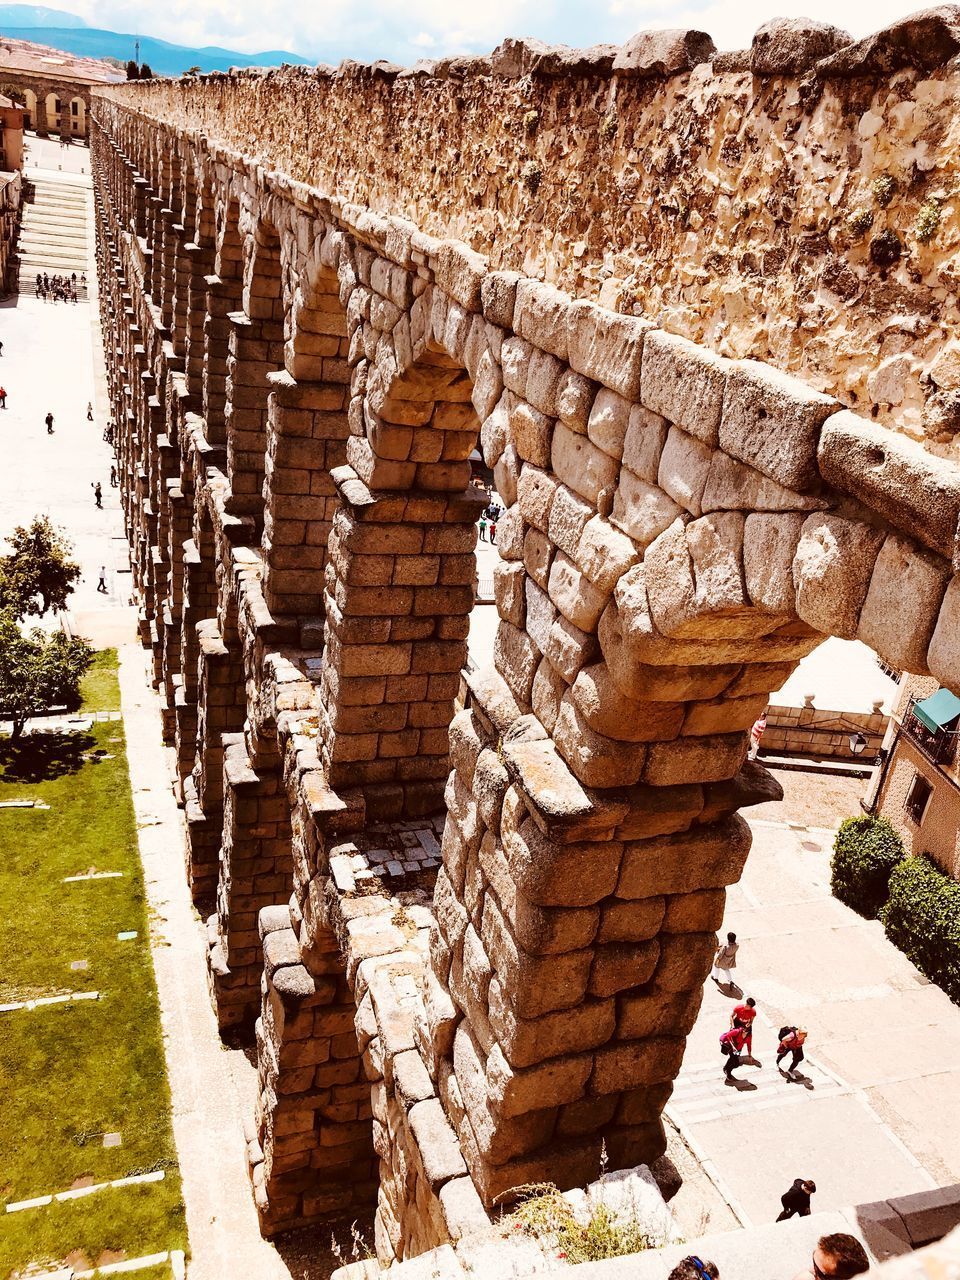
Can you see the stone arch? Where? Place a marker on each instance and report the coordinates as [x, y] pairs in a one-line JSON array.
[[256, 351], [402, 570], [307, 430]]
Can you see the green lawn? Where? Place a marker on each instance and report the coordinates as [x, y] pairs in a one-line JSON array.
[[70, 1073], [100, 686]]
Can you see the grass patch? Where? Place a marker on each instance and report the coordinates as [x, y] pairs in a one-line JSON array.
[[100, 687], [75, 1072], [550, 1219]]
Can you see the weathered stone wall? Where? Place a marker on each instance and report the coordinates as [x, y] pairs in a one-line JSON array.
[[803, 218], [298, 383]]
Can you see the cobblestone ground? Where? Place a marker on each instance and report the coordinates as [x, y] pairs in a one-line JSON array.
[[812, 799]]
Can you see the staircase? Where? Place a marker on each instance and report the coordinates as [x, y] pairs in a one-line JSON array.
[[54, 230]]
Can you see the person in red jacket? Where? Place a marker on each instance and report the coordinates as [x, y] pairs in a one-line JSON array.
[[743, 1016], [731, 1046]]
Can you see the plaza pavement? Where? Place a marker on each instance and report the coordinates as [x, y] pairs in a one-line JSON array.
[[876, 1115]]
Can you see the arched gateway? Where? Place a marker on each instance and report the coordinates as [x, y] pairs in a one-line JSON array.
[[470, 915]]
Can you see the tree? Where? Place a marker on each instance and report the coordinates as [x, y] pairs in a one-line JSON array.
[[145, 72], [133, 71], [193, 71], [38, 672], [38, 564]]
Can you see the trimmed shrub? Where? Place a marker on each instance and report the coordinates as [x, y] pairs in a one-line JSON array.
[[922, 918], [865, 852]]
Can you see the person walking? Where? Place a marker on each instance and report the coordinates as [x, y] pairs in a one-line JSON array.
[[792, 1040], [493, 531], [3, 397], [838, 1256], [113, 475], [743, 1016], [102, 584], [483, 527], [797, 1199], [89, 410], [49, 421], [756, 733], [725, 962], [731, 1046], [98, 495]]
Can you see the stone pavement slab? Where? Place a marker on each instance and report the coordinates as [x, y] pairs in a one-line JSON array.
[[883, 1054]]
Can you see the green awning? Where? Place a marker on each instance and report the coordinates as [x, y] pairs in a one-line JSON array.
[[937, 710]]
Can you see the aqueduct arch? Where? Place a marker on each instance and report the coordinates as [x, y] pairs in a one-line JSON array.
[[470, 915]]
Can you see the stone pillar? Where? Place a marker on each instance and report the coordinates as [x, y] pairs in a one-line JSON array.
[[255, 350], [399, 596]]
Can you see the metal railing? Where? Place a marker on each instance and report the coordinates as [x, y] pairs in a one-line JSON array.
[[939, 747]]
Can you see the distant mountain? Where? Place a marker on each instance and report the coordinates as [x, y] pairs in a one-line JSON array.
[[164, 59], [35, 15]]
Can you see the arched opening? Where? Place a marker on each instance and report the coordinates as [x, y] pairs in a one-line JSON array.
[[256, 352], [30, 109], [223, 295]]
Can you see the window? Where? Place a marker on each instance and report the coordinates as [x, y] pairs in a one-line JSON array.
[[918, 797], [57, 108], [75, 107]]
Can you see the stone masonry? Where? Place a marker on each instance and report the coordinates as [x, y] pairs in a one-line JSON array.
[[466, 915]]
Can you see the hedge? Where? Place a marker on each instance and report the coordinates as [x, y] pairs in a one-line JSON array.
[[865, 852], [922, 918]]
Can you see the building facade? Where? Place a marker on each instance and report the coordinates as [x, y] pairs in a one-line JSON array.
[[54, 86], [918, 787]]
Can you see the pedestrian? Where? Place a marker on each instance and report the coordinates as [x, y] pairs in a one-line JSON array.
[[837, 1257], [725, 961], [483, 528], [113, 475], [493, 532], [731, 1046], [49, 421], [102, 584], [792, 1040], [98, 494], [3, 397], [694, 1268], [89, 410], [743, 1016], [83, 277], [756, 733], [797, 1199], [1, 348]]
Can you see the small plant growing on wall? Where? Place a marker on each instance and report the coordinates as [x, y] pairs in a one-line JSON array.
[[608, 126], [531, 176], [928, 220], [530, 122], [860, 221], [883, 189], [885, 249]]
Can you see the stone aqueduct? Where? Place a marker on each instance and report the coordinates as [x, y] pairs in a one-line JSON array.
[[469, 915]]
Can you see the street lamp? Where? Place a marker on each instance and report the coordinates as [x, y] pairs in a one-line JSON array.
[[858, 743]]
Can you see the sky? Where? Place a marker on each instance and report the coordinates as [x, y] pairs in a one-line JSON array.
[[328, 30]]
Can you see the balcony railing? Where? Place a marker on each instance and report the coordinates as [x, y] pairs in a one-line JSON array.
[[940, 748]]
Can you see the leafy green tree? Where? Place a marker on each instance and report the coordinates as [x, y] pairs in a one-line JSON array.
[[38, 573], [133, 71], [38, 672], [145, 71], [865, 852]]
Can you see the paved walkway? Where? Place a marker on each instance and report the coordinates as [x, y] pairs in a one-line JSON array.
[[874, 1115], [52, 362]]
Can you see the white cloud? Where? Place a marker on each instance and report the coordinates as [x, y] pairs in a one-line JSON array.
[[387, 29]]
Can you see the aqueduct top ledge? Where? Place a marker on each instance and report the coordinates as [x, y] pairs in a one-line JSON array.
[[789, 203]]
